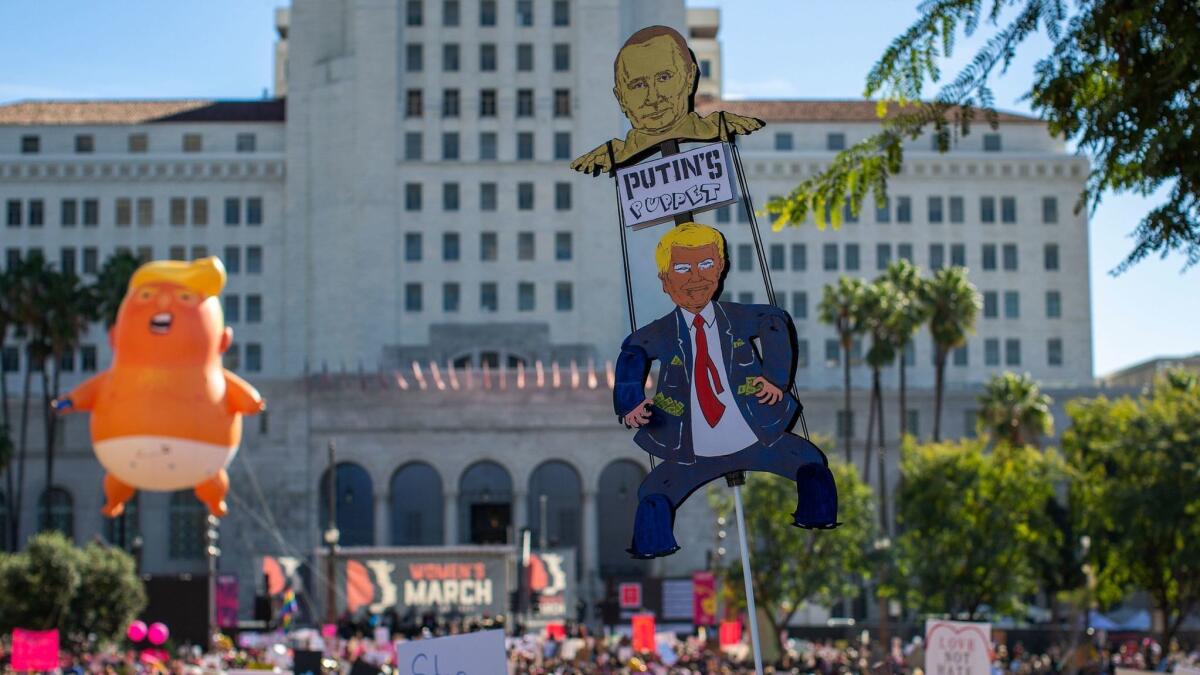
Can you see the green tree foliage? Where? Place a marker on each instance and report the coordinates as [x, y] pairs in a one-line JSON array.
[[87, 594], [1014, 410], [1135, 464], [973, 525], [1120, 82], [839, 307], [112, 282], [952, 304], [791, 565]]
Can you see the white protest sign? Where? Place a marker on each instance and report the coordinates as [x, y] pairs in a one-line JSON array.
[[694, 180], [479, 653], [958, 648], [1186, 670]]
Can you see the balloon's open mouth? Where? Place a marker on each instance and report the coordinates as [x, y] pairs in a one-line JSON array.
[[160, 324]]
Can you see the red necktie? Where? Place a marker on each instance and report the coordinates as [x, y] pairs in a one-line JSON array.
[[703, 369]]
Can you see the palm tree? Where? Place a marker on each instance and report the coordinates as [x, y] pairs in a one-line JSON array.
[[1014, 409], [8, 300], [910, 314], [111, 284], [69, 308], [879, 309], [953, 304], [840, 308], [29, 295]]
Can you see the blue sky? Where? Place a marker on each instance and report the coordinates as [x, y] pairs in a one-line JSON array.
[[772, 49]]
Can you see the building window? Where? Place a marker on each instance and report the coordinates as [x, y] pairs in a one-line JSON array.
[[562, 196], [178, 211], [232, 260], [958, 255], [450, 196], [746, 297], [413, 145], [525, 296], [564, 296], [232, 358], [1053, 305], [415, 16], [830, 257], [91, 260], [187, 521], [848, 214], [1008, 210], [56, 511], [233, 211], [800, 305], [745, 257], [724, 215], [488, 246], [85, 143], [562, 13], [138, 143], [525, 246], [412, 297], [562, 103], [524, 12], [246, 142], [487, 13], [91, 212], [991, 142], [198, 252], [254, 259], [525, 196], [883, 256], [450, 12], [562, 246], [414, 104], [524, 57], [935, 209], [193, 143], [1012, 352], [37, 213], [180, 253], [68, 212], [233, 308], [987, 210], [802, 353], [31, 145], [451, 296], [525, 145], [450, 146], [489, 300], [450, 57], [705, 68], [851, 257], [904, 209], [14, 215], [783, 140], [67, 261], [450, 246], [989, 257], [412, 246], [10, 362], [487, 145], [562, 145], [991, 352], [1054, 352], [414, 57], [450, 107], [87, 353], [960, 355], [412, 196], [937, 256], [835, 141], [1010, 256], [524, 103], [883, 211], [990, 305], [199, 211], [487, 57], [487, 103], [956, 210], [799, 257], [777, 256], [145, 211], [1051, 257], [562, 57], [1012, 305], [904, 252], [487, 196], [1049, 210]]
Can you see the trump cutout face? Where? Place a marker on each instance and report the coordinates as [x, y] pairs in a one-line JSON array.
[[654, 83], [693, 276]]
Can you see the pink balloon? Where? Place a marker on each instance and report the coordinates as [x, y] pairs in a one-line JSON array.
[[158, 633], [136, 631]]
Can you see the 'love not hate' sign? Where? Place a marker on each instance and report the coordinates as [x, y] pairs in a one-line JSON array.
[[694, 180], [958, 648]]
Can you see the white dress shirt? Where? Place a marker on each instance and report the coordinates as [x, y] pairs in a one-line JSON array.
[[731, 433]]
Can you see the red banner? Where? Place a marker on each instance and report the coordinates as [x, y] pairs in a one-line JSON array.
[[730, 633], [704, 599], [556, 630], [643, 633], [34, 649]]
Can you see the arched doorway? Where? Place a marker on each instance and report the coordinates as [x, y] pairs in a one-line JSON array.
[[416, 506], [56, 511], [355, 505], [485, 504], [616, 504], [559, 483], [124, 529]]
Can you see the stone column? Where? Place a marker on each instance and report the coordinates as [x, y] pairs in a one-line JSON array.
[[590, 545], [450, 518], [383, 533], [520, 514]]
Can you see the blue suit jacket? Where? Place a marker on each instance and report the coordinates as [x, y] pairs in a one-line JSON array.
[[668, 435]]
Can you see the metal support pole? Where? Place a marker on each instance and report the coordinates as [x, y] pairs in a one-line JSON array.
[[735, 480], [212, 551], [331, 539]]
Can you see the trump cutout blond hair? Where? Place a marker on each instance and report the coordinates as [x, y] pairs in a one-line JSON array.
[[687, 235]]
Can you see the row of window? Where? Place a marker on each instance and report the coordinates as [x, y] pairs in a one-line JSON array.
[[489, 60], [83, 359], [127, 210], [86, 260], [139, 142], [489, 103], [938, 210], [489, 246], [1012, 304], [489, 296], [487, 149], [848, 257], [451, 13], [836, 141], [959, 357], [489, 196], [234, 304]]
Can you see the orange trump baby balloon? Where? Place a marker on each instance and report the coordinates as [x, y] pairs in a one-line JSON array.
[[167, 416]]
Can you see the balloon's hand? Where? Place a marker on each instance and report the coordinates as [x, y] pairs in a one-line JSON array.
[[62, 405], [593, 162], [640, 415], [768, 394]]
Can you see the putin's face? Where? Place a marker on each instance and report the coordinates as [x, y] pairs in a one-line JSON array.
[[693, 276], [654, 82]]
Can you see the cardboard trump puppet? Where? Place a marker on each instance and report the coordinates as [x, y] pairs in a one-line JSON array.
[[167, 416], [721, 406]]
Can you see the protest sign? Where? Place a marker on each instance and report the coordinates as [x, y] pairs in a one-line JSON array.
[[479, 653], [34, 649], [957, 648], [692, 181], [704, 599], [643, 633]]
